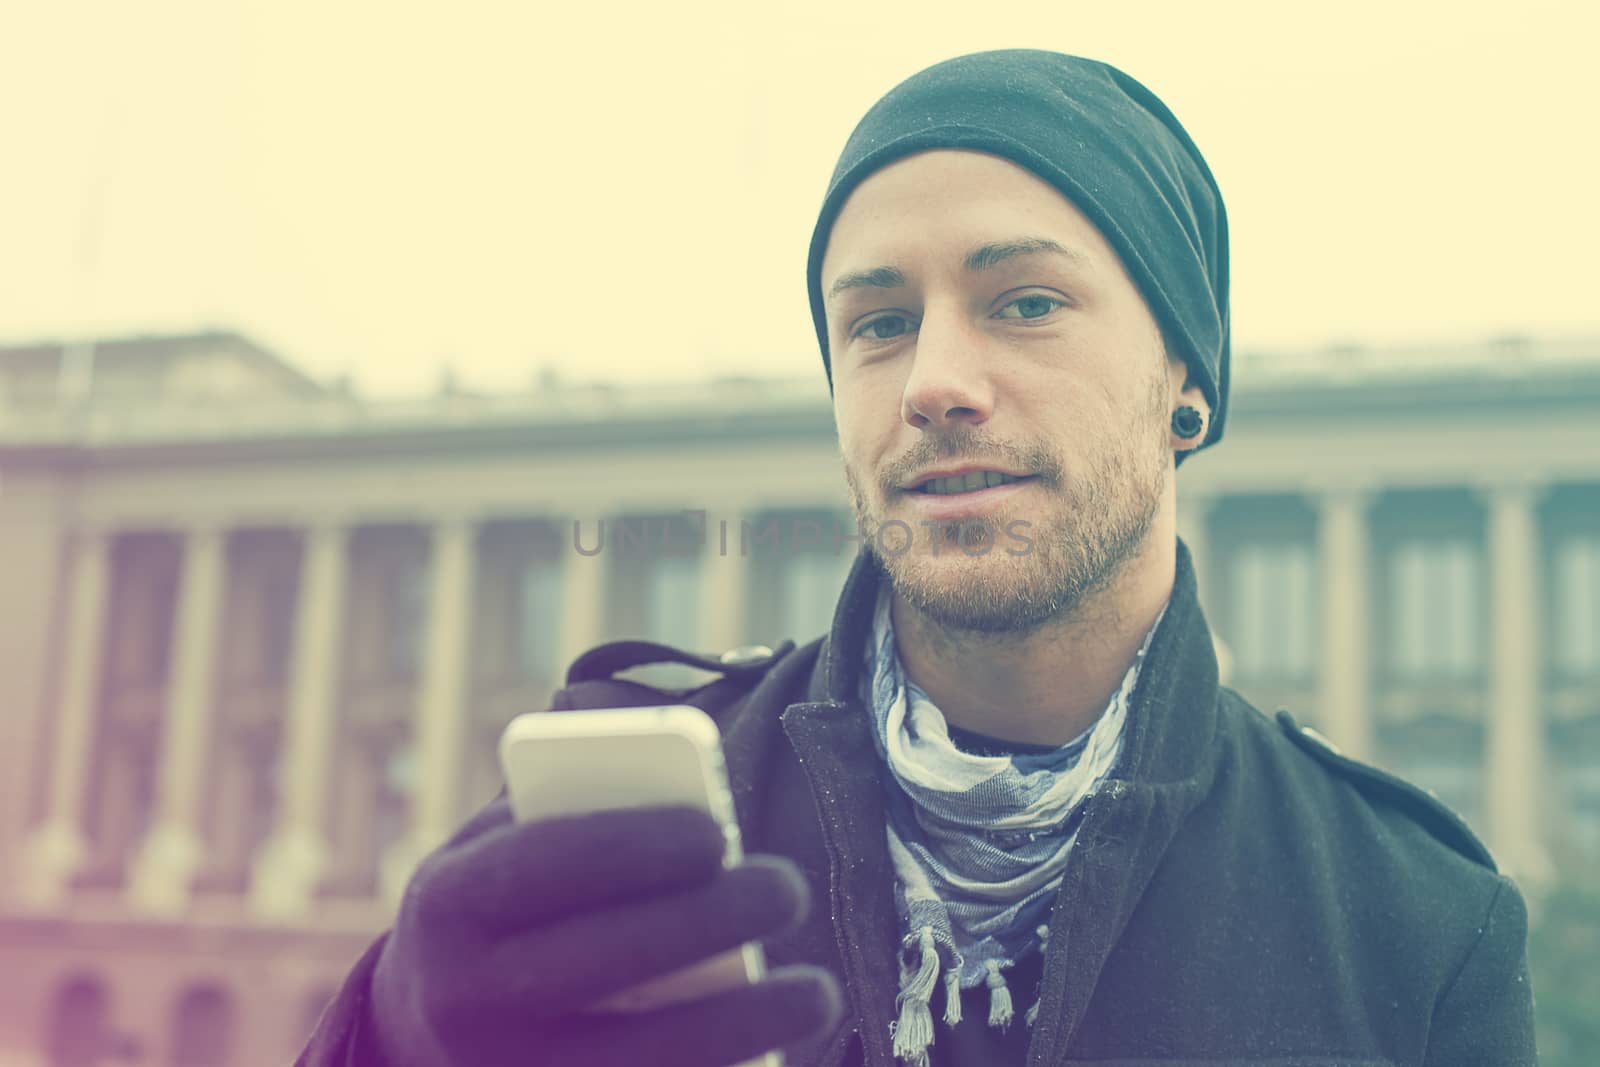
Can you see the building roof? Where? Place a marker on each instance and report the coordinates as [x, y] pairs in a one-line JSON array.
[[146, 366], [298, 414]]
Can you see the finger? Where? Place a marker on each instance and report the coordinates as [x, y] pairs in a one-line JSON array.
[[793, 1005], [521, 874], [592, 955], [579, 961]]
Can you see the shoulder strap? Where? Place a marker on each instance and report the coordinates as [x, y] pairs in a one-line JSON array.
[[1421, 804], [604, 661], [592, 681]]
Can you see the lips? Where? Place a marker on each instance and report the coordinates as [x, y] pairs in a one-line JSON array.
[[937, 505], [966, 483], [969, 480]]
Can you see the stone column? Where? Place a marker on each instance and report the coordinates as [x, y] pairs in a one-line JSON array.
[[290, 864], [1346, 620], [441, 712], [585, 560], [57, 849], [724, 581], [1514, 754], [172, 852]]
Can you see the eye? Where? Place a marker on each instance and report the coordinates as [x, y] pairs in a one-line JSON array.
[[884, 328], [1029, 307]]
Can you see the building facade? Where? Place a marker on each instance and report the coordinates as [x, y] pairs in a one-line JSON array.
[[259, 637]]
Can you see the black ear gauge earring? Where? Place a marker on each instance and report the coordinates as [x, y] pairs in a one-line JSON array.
[[1187, 422]]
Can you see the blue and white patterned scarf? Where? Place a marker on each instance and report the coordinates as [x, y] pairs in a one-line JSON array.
[[979, 843]]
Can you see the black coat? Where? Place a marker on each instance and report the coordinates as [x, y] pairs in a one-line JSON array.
[[1239, 892]]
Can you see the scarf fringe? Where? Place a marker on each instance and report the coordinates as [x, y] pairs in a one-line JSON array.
[[1000, 1010], [952, 996], [913, 1031]]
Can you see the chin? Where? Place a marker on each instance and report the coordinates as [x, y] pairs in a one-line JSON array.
[[1068, 558], [985, 595], [995, 584]]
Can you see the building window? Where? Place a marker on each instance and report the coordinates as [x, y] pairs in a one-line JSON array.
[[387, 606], [371, 810], [144, 604], [79, 1030], [1440, 753], [1571, 785], [240, 817], [259, 617], [397, 783], [673, 612], [1435, 611], [517, 605], [202, 1028], [1576, 640], [1583, 815], [798, 560], [654, 577], [276, 643], [1273, 604], [809, 589], [262, 588], [122, 800], [538, 618], [405, 595]]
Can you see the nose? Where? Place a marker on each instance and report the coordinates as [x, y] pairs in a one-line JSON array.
[[949, 381]]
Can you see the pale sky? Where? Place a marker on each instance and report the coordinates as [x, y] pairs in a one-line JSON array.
[[380, 189]]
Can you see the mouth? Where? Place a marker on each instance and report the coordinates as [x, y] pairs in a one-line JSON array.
[[966, 482]]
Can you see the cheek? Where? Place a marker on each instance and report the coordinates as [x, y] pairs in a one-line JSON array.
[[847, 421], [866, 413]]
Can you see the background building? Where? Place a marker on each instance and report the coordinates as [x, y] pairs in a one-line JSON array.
[[259, 637]]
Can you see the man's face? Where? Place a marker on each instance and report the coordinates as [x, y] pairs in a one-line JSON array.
[[980, 326]]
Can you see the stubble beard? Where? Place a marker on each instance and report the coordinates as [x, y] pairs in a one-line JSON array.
[[980, 577]]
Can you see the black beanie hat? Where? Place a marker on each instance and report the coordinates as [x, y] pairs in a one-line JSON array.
[[1107, 144]]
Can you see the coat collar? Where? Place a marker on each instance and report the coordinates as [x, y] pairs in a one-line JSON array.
[[1172, 719]]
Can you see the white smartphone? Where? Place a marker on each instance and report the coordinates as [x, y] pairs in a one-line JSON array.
[[575, 762]]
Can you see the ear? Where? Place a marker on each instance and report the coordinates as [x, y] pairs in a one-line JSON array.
[[1184, 391]]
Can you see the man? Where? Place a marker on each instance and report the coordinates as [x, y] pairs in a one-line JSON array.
[[1003, 813]]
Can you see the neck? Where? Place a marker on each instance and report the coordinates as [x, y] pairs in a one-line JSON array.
[[1051, 684]]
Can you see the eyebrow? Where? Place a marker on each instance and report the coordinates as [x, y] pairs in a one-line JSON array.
[[880, 277], [985, 256], [981, 258]]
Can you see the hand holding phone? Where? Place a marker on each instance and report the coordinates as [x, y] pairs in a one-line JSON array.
[[513, 934], [628, 758]]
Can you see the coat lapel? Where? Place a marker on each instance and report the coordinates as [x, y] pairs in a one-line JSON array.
[[830, 742], [1168, 765], [835, 754], [806, 782]]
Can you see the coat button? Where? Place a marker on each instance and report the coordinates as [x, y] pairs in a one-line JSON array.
[[745, 656]]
